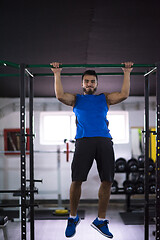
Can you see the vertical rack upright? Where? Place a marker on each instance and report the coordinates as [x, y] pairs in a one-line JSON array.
[[23, 150], [146, 138], [31, 135], [158, 154]]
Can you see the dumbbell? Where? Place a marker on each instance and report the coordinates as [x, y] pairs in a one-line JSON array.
[[152, 178], [141, 161], [138, 181], [151, 166], [128, 187], [120, 165], [139, 184], [139, 188], [114, 188], [152, 187], [141, 177], [152, 183], [132, 165]]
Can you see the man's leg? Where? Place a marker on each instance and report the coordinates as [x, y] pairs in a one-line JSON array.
[[75, 194], [73, 220], [100, 223], [105, 164], [104, 196]]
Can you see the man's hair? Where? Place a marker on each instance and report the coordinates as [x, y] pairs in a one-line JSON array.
[[90, 72]]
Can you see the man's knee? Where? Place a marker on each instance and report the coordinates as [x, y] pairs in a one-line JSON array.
[[106, 184], [76, 183]]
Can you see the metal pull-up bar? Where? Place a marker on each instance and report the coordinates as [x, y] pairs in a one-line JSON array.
[[14, 65], [92, 65]]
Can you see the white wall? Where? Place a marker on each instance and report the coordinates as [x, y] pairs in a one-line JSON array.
[[46, 163]]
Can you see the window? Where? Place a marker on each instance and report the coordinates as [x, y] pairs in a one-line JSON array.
[[119, 126], [57, 126]]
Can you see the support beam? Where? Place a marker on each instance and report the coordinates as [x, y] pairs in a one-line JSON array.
[[31, 135], [23, 151], [9, 64], [151, 71], [146, 168], [158, 156], [99, 74], [73, 74]]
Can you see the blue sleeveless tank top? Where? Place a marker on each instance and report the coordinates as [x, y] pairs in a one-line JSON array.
[[91, 112]]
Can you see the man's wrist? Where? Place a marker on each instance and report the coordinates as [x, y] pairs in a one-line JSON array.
[[127, 71], [57, 73]]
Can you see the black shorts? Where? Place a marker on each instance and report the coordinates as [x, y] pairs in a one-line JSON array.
[[88, 149]]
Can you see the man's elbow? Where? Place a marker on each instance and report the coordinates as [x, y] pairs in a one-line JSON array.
[[59, 96], [125, 95]]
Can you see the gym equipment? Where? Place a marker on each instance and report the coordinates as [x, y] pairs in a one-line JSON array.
[[152, 183], [128, 187], [151, 166], [23, 72], [132, 165], [152, 187], [120, 165], [136, 218], [67, 148], [152, 177], [138, 181], [141, 177], [139, 187], [141, 161], [146, 142], [114, 188], [3, 225], [61, 212]]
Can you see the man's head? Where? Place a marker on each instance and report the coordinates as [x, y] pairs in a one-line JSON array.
[[89, 82]]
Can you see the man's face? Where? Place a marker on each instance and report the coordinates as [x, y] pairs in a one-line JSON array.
[[89, 84]]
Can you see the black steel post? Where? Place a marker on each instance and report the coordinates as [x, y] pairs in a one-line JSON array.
[[23, 151], [31, 94], [146, 144], [158, 155]]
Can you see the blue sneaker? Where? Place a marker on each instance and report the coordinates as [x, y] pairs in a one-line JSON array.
[[102, 227], [71, 226]]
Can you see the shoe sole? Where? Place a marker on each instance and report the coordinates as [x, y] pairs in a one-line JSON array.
[[75, 230], [92, 225]]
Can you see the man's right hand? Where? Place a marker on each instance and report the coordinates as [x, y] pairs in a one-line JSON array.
[[56, 68]]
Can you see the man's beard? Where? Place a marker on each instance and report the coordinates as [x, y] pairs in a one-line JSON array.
[[90, 92]]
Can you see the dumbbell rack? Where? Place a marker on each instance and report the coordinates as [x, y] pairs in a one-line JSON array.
[[121, 190]]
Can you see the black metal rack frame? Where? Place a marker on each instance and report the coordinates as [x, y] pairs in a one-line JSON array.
[[25, 72]]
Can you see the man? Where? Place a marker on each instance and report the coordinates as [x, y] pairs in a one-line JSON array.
[[93, 141]]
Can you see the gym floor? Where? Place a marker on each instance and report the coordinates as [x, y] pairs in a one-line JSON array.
[[54, 229]]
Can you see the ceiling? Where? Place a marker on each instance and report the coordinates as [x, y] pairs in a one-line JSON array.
[[79, 32]]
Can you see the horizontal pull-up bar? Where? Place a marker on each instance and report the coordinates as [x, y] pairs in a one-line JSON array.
[[11, 64], [92, 65], [72, 74]]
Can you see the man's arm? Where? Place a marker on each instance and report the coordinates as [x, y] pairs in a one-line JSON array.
[[66, 98], [117, 97]]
